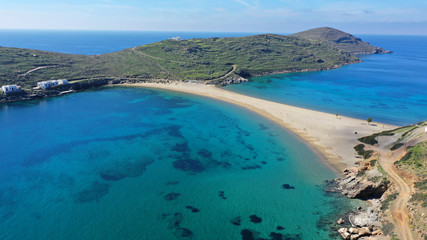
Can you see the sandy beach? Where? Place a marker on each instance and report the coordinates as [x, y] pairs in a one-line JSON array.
[[331, 136]]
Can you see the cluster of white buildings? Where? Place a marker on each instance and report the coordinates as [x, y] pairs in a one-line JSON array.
[[51, 83], [7, 89]]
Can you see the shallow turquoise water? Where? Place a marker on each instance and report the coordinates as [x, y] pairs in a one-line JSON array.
[[125, 163], [389, 88]]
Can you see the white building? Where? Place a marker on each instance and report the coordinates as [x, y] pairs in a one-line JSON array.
[[51, 83], [62, 81], [10, 89]]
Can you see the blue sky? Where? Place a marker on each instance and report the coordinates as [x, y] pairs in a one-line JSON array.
[[279, 16]]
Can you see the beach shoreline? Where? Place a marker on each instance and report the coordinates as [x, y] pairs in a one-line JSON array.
[[332, 137]]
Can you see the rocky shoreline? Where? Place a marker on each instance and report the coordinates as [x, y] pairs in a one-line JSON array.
[[365, 183], [94, 83]]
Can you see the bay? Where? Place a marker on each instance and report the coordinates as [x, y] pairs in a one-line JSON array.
[[129, 163]]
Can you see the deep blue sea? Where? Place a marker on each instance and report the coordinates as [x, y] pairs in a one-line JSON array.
[[93, 42], [129, 163]]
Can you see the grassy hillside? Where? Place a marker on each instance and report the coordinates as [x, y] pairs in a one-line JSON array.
[[341, 40], [200, 59], [253, 55]]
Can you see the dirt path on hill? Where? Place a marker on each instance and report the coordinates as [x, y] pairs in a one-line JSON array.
[[35, 69], [399, 210], [230, 72]]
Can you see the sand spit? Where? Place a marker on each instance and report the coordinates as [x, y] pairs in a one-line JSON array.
[[334, 137]]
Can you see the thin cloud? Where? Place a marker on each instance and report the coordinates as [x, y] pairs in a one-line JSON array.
[[244, 3]]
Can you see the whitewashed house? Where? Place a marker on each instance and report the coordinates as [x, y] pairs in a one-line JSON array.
[[51, 83], [7, 89], [62, 81]]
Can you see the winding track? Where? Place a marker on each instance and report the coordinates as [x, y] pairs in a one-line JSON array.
[[399, 210]]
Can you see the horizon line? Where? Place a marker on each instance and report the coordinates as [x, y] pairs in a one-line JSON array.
[[195, 31]]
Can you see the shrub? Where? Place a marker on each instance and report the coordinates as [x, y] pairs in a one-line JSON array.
[[386, 203], [388, 228]]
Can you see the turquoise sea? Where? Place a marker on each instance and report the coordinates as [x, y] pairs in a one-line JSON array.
[[129, 163]]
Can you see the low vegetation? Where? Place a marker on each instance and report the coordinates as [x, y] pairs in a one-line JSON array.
[[371, 140], [415, 159], [385, 204], [414, 164], [360, 149]]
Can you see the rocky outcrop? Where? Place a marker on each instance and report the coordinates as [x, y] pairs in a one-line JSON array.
[[360, 187], [369, 217], [359, 233], [231, 80], [365, 223]]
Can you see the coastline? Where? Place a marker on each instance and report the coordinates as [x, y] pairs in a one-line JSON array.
[[331, 136]]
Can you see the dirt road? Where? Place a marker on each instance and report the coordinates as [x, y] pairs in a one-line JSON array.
[[399, 209]]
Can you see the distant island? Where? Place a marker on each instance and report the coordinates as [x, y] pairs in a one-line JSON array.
[[213, 60]]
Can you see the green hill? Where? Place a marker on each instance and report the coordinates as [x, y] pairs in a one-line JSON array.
[[341, 40], [196, 59]]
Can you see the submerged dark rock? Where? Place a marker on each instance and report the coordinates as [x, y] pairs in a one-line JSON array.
[[181, 147], [255, 219], [171, 196], [172, 183], [183, 232], [174, 131], [175, 220], [189, 165], [236, 221], [126, 169], [248, 234], [249, 167], [279, 236], [280, 228], [93, 193], [221, 194], [205, 153], [287, 186], [112, 176], [193, 209], [276, 236]]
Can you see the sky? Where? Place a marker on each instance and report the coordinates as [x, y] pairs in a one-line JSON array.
[[405, 17]]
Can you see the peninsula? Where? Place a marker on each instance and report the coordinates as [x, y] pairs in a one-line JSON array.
[[217, 60]]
